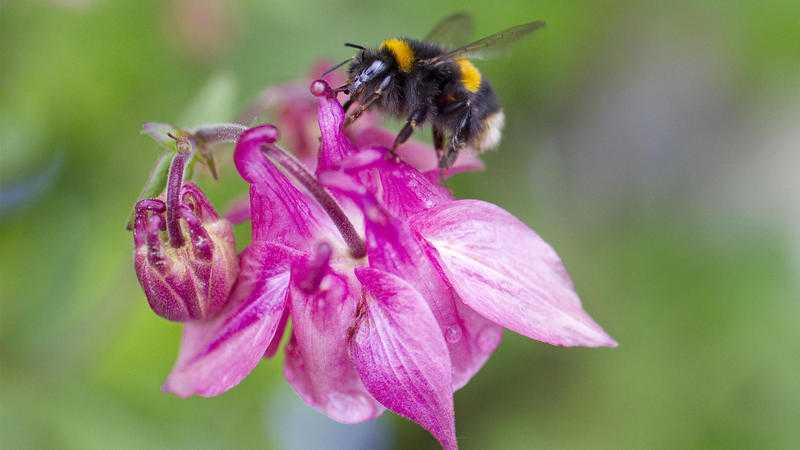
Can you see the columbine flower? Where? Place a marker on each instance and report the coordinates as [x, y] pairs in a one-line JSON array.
[[397, 293], [185, 257]]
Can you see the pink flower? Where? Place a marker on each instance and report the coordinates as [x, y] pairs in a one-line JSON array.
[[183, 279], [397, 293]]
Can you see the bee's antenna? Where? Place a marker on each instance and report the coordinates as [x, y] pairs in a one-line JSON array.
[[350, 44], [335, 67]]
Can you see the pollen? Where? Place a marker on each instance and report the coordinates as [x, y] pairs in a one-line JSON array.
[[470, 76], [402, 52]]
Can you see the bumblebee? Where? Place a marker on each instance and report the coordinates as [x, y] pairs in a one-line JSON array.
[[427, 81]]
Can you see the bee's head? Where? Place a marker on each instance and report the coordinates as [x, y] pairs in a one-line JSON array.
[[367, 66]]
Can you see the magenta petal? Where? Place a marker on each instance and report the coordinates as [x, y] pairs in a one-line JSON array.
[[507, 273], [275, 344], [416, 154], [295, 119], [280, 212], [317, 364], [216, 355], [403, 190], [334, 144], [401, 355], [238, 211], [470, 337]]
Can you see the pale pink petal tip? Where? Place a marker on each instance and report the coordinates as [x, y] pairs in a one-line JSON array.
[[503, 270], [216, 355], [402, 356], [318, 366]]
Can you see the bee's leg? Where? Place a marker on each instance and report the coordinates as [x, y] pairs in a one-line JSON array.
[[362, 108], [457, 142], [348, 104], [438, 142], [414, 119], [438, 145], [454, 106], [368, 102], [449, 159]]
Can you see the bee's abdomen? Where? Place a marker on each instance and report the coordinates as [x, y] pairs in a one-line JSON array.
[[492, 119], [491, 131]]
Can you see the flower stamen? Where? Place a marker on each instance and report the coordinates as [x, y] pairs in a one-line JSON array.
[[174, 183], [155, 254], [201, 242]]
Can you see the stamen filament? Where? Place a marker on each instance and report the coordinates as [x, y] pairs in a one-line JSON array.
[[154, 252], [174, 183], [200, 239], [277, 155]]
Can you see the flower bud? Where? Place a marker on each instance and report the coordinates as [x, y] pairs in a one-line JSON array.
[[189, 276]]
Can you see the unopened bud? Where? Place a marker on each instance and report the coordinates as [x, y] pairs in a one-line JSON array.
[[187, 278]]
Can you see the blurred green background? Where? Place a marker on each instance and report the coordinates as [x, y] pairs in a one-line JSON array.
[[655, 144]]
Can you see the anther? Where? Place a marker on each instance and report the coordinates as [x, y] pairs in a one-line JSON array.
[[155, 224], [142, 212], [174, 183], [201, 242]]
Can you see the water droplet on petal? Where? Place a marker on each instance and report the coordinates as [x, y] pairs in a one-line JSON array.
[[452, 334]]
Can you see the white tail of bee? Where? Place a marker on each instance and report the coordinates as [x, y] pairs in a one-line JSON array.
[[492, 131]]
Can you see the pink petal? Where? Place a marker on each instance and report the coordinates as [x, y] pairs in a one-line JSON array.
[[275, 344], [296, 120], [280, 212], [415, 153], [470, 337], [334, 144], [290, 95], [216, 355], [403, 190], [317, 364], [238, 211], [401, 355], [271, 98], [507, 273]]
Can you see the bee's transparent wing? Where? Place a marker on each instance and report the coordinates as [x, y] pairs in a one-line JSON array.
[[452, 31], [490, 45]]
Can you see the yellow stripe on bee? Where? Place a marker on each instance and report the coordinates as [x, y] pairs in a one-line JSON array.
[[470, 76], [401, 51]]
